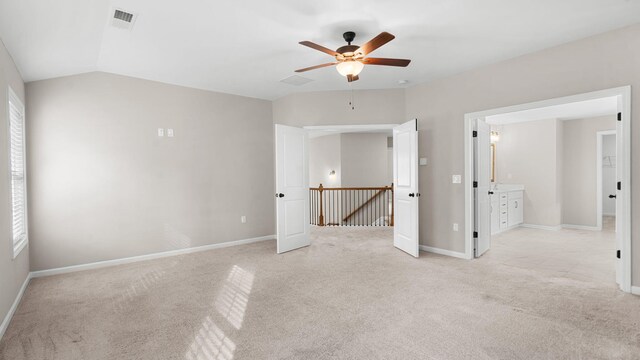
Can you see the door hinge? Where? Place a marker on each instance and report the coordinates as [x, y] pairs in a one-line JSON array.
[[619, 116], [475, 234], [475, 184], [474, 133], [618, 254], [619, 185]]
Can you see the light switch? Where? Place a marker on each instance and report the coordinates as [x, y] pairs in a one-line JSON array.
[[160, 132], [243, 219], [457, 179], [170, 132], [455, 226], [423, 161]]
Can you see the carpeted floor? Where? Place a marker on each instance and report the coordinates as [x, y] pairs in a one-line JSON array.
[[350, 295]]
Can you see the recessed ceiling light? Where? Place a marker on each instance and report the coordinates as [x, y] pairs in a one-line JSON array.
[[402, 82]]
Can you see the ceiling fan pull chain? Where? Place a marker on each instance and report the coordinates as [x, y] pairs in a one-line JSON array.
[[353, 107]]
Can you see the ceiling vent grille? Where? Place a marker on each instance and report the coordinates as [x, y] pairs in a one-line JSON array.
[[124, 16], [122, 19], [296, 80]]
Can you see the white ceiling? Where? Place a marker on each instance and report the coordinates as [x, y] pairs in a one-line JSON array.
[[245, 47], [569, 111]]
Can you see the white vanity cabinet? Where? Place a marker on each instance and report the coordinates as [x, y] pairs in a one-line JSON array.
[[516, 215], [506, 207]]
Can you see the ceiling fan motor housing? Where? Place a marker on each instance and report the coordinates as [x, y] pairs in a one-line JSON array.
[[349, 36]]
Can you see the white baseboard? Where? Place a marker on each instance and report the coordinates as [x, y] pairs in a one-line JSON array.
[[439, 251], [581, 227], [635, 290], [542, 227], [14, 307], [106, 263]]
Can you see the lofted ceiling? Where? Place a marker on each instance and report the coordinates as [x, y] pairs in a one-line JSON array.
[[246, 47]]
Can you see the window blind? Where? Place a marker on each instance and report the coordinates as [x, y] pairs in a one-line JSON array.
[[17, 166]]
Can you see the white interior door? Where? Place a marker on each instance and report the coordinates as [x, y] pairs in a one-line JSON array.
[[482, 186], [405, 195], [619, 196], [292, 188]]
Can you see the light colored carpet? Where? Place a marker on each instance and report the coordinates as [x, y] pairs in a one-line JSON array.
[[350, 295]]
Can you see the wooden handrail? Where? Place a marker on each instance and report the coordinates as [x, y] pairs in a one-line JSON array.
[[383, 190], [353, 188], [328, 205]]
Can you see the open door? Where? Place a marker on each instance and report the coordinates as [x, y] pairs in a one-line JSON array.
[[482, 187], [405, 195], [292, 188], [619, 197]]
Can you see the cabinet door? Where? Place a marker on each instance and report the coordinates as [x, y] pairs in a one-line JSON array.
[[516, 214]]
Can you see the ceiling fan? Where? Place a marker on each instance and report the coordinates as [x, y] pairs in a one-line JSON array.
[[350, 59]]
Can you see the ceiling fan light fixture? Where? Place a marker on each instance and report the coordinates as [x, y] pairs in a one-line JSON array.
[[350, 67]]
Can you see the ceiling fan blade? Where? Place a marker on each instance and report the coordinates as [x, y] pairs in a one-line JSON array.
[[319, 48], [387, 62], [352, 78], [316, 67], [375, 43]]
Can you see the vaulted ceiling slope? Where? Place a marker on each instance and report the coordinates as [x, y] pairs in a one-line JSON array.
[[246, 47]]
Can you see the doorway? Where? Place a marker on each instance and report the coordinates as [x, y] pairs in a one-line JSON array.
[[479, 128], [294, 213]]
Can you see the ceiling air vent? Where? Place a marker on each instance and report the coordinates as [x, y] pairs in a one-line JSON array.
[[122, 19], [296, 80]]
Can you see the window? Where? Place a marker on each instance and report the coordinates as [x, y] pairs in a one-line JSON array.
[[17, 168]]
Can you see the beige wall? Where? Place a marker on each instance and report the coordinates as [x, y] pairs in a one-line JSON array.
[[13, 272], [527, 154], [579, 203], [359, 159], [103, 185], [332, 108], [324, 156], [364, 160], [574, 68]]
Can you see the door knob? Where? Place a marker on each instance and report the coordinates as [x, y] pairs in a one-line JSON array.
[[279, 195], [412, 195], [490, 192], [612, 196]]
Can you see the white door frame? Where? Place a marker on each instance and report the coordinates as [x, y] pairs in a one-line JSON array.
[[624, 95], [599, 139]]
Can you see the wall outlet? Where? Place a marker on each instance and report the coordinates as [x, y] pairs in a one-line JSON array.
[[160, 132], [423, 161], [456, 179], [170, 132], [243, 219], [455, 226]]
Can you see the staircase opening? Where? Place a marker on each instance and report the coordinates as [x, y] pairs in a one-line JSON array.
[[350, 178]]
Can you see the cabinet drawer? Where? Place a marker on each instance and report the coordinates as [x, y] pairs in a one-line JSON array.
[[503, 196]]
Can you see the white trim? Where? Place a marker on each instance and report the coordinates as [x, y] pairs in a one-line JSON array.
[[582, 227], [14, 306], [351, 128], [635, 290], [106, 263], [455, 254], [542, 227], [599, 140], [623, 137]]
